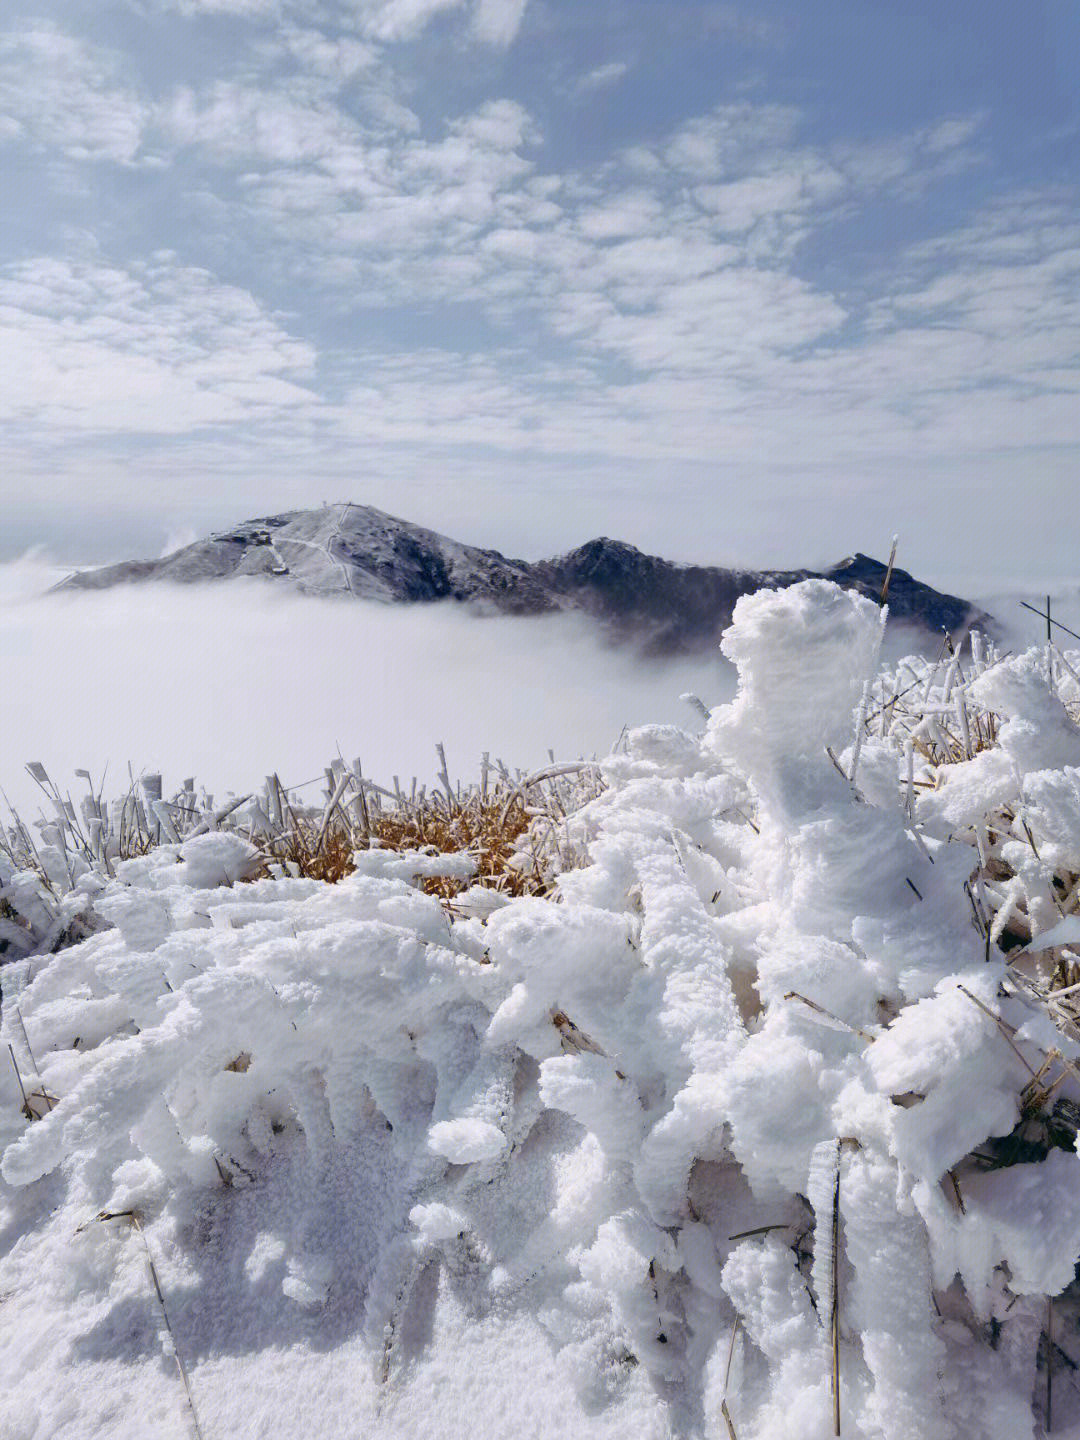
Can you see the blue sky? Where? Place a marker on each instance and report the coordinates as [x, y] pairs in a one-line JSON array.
[[755, 283]]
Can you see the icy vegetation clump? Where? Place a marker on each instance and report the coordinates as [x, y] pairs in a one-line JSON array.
[[763, 1120]]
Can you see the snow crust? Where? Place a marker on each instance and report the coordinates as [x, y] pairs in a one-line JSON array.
[[574, 1161]]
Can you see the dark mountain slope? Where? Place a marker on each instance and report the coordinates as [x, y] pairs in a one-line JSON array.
[[660, 606]]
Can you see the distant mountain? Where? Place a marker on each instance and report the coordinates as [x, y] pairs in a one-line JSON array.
[[662, 607]]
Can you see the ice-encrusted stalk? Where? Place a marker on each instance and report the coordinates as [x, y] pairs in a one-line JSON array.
[[864, 701], [823, 1192]]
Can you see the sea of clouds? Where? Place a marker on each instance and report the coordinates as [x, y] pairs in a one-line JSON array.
[[229, 683]]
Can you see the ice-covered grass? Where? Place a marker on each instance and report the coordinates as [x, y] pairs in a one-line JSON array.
[[509, 832], [760, 1124]]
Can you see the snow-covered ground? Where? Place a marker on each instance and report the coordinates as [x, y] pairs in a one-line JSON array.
[[710, 1145]]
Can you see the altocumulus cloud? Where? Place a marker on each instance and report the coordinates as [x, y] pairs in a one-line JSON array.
[[267, 245]]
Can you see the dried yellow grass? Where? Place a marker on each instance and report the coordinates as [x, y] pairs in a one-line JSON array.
[[482, 829], [513, 830]]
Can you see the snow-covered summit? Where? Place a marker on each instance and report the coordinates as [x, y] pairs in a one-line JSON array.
[[340, 549], [357, 550]]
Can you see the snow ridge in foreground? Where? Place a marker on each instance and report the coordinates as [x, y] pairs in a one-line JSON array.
[[404, 1174]]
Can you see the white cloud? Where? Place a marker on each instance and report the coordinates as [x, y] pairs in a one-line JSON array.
[[493, 22], [249, 9], [683, 272], [601, 77], [383, 22], [234, 120], [625, 213], [791, 190], [909, 164], [392, 20], [57, 91], [389, 22], [969, 348], [950, 134], [732, 140], [654, 306], [230, 684], [497, 22], [334, 58], [157, 348], [372, 211], [177, 539]]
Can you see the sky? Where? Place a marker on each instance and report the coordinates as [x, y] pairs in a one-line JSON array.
[[738, 283]]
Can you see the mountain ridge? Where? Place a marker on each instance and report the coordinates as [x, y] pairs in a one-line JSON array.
[[662, 606]]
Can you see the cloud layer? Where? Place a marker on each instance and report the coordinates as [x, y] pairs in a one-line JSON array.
[[268, 245], [229, 684]]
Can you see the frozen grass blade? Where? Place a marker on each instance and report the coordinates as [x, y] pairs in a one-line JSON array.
[[836, 1022], [133, 1218], [1049, 1319], [724, 1411], [834, 1298], [26, 1109], [889, 571]]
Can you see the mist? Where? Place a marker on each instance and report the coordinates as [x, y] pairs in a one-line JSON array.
[[229, 683]]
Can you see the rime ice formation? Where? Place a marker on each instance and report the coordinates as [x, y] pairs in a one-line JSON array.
[[627, 1161]]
